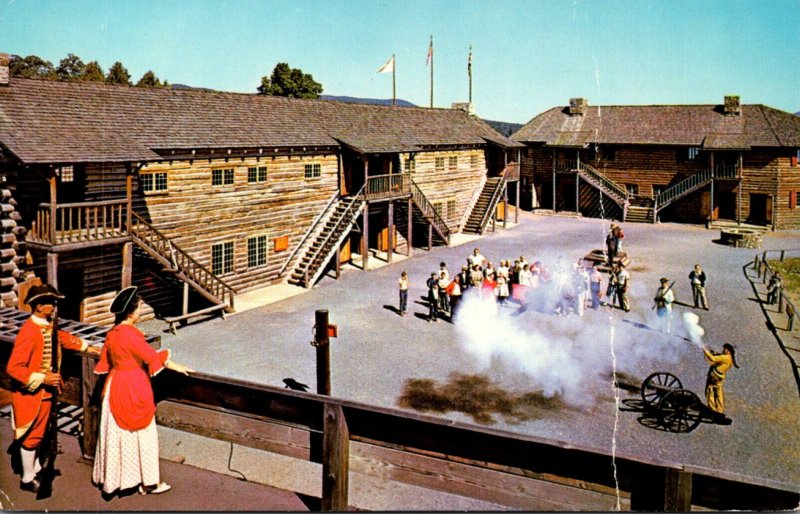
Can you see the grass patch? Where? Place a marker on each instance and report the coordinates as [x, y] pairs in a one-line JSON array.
[[476, 396], [790, 274]]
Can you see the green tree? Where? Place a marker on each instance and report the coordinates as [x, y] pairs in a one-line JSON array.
[[93, 72], [31, 66], [118, 74], [290, 82], [70, 67], [149, 79]]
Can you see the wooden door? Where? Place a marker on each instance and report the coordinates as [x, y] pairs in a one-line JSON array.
[[501, 211], [705, 206], [344, 251], [383, 239]]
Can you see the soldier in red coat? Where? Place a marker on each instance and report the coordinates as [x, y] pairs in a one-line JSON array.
[[34, 381]]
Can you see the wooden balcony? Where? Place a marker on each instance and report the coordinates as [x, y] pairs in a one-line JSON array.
[[72, 226], [388, 187], [511, 172], [731, 171], [565, 165]]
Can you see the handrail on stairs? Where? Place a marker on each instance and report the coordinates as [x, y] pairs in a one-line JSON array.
[[310, 231], [683, 187], [146, 234], [430, 212], [614, 190], [348, 213], [492, 203]]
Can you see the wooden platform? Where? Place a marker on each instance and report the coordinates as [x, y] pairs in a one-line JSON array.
[[599, 258]]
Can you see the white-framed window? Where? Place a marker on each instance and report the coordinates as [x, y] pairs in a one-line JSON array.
[[155, 182], [256, 251], [692, 153], [452, 162], [473, 160], [222, 258], [222, 177], [66, 173], [451, 207], [410, 165], [256, 174], [312, 170], [439, 164]]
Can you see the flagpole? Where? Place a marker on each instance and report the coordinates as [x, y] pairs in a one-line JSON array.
[[430, 54], [469, 70], [394, 71]]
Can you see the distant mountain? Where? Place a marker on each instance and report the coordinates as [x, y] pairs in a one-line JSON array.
[[503, 127], [797, 113], [376, 101], [184, 86]]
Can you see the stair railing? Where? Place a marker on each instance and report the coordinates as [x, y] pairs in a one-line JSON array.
[[682, 188], [323, 215], [618, 193], [346, 219], [430, 212], [727, 171], [566, 164], [498, 189], [195, 274]]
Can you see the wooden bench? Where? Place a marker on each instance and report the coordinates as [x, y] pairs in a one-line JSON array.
[[184, 318]]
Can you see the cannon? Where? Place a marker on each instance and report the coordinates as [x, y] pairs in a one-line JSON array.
[[675, 408]]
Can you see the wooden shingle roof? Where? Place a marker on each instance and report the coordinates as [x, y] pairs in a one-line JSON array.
[[685, 125], [53, 122]]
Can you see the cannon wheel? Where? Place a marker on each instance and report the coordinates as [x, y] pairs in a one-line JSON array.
[[680, 410], [657, 385]]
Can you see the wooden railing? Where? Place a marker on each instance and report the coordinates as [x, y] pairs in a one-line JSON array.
[[680, 189], [618, 193], [383, 187], [312, 230], [727, 171], [430, 212], [492, 205], [566, 164], [187, 269], [332, 238], [511, 172], [78, 222]]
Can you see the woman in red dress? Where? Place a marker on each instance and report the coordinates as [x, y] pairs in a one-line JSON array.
[[127, 449]]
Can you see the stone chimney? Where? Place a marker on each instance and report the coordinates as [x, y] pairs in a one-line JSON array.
[[5, 73], [577, 106], [467, 107], [732, 106]]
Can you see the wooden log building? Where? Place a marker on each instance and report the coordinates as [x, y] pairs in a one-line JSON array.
[[682, 163], [199, 195]]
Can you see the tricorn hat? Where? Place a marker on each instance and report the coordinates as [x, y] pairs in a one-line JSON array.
[[664, 279], [123, 299], [43, 294]]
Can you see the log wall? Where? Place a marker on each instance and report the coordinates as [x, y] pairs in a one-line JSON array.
[[456, 184], [196, 215]]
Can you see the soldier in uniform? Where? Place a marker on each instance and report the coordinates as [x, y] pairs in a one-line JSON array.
[[34, 382], [623, 282], [663, 304]]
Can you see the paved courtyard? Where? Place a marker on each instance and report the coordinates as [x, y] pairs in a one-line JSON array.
[[570, 358]]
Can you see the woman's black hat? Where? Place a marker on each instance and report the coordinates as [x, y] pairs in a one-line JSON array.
[[123, 299]]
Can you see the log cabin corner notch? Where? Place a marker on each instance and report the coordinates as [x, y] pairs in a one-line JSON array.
[[683, 163], [198, 195]]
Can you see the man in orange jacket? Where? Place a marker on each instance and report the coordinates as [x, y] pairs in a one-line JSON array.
[[33, 379]]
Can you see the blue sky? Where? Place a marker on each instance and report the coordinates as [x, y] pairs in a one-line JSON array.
[[528, 55]]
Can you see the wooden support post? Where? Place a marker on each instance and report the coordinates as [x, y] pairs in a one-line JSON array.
[[129, 198], [338, 262], [516, 206], [52, 269], [780, 300], [390, 237], [127, 265], [790, 312], [365, 239], [53, 209], [505, 206], [430, 237], [711, 216], [783, 255], [410, 236], [321, 341], [577, 194], [739, 191], [90, 401], [335, 459], [677, 491], [185, 305]]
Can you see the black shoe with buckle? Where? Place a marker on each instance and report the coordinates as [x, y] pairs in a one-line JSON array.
[[32, 486]]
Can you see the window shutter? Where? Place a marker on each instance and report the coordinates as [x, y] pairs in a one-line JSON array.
[[794, 161], [792, 199]]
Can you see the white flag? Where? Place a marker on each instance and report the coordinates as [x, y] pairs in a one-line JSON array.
[[388, 67]]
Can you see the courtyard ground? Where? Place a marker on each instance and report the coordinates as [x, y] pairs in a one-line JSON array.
[[568, 362]]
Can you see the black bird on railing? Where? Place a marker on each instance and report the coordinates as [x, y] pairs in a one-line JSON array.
[[295, 385]]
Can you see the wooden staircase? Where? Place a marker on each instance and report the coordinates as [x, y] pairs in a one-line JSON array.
[[604, 184], [681, 189], [430, 214], [181, 264], [487, 203], [328, 240]]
